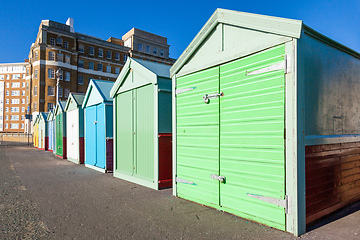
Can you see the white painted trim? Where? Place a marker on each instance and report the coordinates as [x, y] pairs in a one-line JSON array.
[[71, 35], [102, 60], [95, 168], [312, 140], [174, 167], [93, 72], [52, 47], [126, 49], [54, 63]]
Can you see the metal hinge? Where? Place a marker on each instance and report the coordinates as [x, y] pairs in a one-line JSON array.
[[222, 179], [179, 180], [177, 91], [207, 97], [285, 203], [286, 65]]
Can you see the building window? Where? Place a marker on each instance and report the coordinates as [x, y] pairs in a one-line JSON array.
[[67, 92], [50, 106], [51, 91], [7, 93], [15, 101], [15, 109], [108, 68], [14, 126], [14, 117], [36, 73], [81, 64], [100, 67], [81, 48], [15, 93], [51, 56], [81, 80], [22, 126], [51, 73], [16, 76], [52, 41], [22, 117], [117, 70], [23, 101], [155, 50], [7, 117], [60, 92], [23, 92], [125, 58], [7, 85], [66, 45], [117, 56], [60, 75], [23, 85], [2, 77], [7, 101], [67, 76], [36, 56], [108, 54], [100, 52], [140, 47], [59, 41], [91, 51], [35, 107], [161, 52], [6, 109], [6, 125], [15, 85], [67, 59], [91, 65], [35, 91], [23, 109], [147, 49], [59, 57]]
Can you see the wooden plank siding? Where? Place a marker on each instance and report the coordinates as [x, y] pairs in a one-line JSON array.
[[332, 178], [109, 155]]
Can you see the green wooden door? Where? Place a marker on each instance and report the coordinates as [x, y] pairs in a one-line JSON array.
[[59, 135], [252, 123], [198, 137], [239, 136]]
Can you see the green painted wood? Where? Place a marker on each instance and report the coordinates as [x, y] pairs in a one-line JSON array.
[[239, 136], [252, 123], [198, 137], [144, 133], [59, 134], [124, 159]]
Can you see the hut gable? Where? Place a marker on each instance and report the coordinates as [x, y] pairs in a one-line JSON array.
[[97, 92]]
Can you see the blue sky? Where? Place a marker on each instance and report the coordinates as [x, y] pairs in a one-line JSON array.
[[179, 21]]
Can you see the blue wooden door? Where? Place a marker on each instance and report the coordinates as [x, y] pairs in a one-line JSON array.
[[50, 129], [100, 137], [90, 135]]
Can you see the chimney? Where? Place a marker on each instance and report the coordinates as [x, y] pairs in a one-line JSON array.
[[70, 22]]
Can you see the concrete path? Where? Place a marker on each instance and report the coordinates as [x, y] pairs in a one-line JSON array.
[[44, 197]]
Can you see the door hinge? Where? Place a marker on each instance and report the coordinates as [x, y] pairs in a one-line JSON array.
[[179, 180], [177, 91], [285, 203], [222, 179], [286, 65]]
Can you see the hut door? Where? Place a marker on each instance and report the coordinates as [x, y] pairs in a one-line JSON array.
[[252, 144], [230, 137], [198, 136], [90, 136], [100, 137], [59, 135]]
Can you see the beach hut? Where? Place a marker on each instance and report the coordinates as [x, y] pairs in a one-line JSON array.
[[266, 120], [142, 124], [36, 132], [60, 130], [75, 128], [98, 112], [51, 134], [43, 131]]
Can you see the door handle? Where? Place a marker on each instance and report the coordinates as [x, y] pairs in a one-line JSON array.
[[207, 97], [222, 179]]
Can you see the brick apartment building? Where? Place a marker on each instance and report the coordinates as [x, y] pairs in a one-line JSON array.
[[79, 58], [14, 96]]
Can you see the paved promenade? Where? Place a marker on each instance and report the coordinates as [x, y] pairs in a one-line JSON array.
[[45, 197]]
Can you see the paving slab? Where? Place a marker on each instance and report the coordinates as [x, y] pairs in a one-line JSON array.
[[45, 197]]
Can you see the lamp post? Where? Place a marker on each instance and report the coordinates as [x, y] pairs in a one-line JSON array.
[[58, 74]]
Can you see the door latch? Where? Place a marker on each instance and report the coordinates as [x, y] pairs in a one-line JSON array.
[[207, 97], [219, 178]]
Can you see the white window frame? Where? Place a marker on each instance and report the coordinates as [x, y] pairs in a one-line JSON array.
[[59, 57], [51, 91], [100, 64], [81, 64], [51, 56], [100, 52], [117, 56], [108, 68], [81, 48], [52, 41], [67, 76], [91, 65], [91, 50], [66, 44], [51, 73], [80, 82]]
